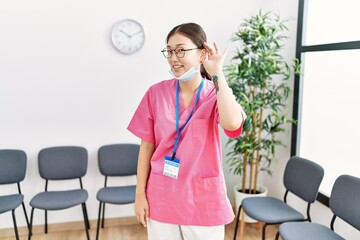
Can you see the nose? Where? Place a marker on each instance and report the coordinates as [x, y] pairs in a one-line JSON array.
[[173, 56]]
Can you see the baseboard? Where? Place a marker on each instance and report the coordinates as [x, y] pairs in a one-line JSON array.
[[68, 226]]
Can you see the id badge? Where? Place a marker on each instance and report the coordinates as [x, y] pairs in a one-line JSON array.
[[171, 167]]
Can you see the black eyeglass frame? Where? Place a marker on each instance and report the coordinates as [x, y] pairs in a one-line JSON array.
[[168, 53]]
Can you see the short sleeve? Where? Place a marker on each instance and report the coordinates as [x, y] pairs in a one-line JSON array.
[[142, 123], [236, 133]]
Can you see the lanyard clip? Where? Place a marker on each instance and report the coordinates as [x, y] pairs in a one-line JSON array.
[[173, 156]]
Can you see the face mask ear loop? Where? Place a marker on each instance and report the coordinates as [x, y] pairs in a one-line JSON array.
[[200, 62]]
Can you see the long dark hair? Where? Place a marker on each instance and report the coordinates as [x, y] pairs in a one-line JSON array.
[[197, 35]]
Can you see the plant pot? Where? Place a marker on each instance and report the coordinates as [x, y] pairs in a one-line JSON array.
[[239, 196]]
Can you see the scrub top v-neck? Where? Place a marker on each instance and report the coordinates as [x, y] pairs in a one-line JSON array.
[[198, 195]]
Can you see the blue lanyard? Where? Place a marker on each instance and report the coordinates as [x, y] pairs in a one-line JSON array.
[[179, 130]]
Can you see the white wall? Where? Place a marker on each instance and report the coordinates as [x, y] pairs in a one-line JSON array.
[[63, 83]]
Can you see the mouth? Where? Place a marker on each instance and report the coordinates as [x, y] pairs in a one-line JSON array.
[[177, 67]]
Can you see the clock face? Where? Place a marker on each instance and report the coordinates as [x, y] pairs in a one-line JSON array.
[[128, 36]]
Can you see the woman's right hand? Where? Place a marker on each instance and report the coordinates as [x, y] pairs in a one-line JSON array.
[[141, 208]]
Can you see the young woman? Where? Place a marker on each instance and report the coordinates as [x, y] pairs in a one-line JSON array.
[[181, 192]]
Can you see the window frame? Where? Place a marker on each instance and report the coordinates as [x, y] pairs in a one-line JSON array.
[[300, 52]]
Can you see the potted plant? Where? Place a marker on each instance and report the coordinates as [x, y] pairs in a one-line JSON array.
[[258, 76]]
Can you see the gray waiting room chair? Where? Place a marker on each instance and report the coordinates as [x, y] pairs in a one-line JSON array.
[[61, 163], [116, 160], [344, 203], [12, 171], [302, 178]]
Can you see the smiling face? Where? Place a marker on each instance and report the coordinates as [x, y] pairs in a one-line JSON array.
[[192, 58]]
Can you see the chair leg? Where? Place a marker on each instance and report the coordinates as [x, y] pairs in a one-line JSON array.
[[237, 222], [277, 235], [264, 231], [26, 216], [15, 226], [103, 216], [30, 226], [86, 221], [46, 225], [98, 221], [87, 216]]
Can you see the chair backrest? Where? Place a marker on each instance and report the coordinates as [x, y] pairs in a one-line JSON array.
[[63, 162], [12, 166], [302, 177], [118, 159], [345, 199]]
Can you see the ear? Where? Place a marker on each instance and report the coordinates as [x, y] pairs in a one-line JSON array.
[[202, 55]]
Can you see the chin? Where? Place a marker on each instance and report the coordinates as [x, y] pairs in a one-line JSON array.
[[177, 73]]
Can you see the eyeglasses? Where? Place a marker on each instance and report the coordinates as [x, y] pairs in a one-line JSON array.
[[179, 52]]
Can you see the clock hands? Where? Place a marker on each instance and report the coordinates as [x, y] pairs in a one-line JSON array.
[[136, 33], [128, 35]]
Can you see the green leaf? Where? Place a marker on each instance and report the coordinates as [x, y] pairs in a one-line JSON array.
[[258, 75]]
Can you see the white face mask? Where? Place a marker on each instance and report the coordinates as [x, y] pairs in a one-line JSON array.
[[189, 74], [186, 76]]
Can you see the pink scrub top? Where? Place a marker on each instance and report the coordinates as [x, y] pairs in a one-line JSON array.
[[198, 196]]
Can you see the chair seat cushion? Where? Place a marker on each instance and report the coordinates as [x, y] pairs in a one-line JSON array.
[[306, 230], [57, 200], [10, 202], [117, 195], [270, 210]]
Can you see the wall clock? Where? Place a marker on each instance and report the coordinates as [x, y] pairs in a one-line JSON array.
[[128, 36]]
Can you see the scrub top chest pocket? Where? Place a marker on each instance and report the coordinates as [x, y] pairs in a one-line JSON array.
[[203, 131]]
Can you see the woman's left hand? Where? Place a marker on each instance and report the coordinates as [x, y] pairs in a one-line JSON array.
[[213, 64]]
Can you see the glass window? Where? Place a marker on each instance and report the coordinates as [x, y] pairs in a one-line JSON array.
[[331, 21], [329, 126]]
